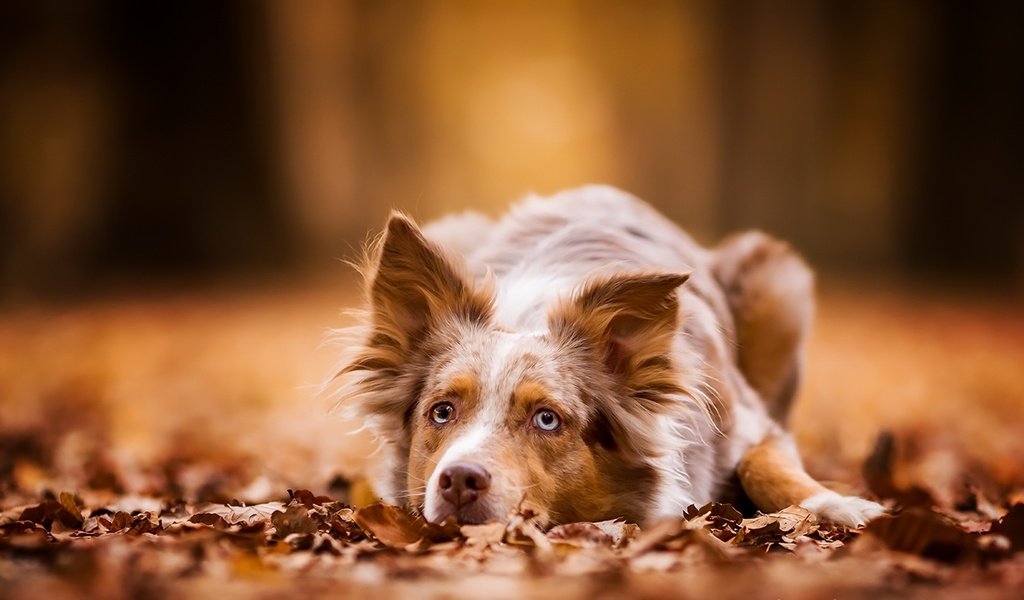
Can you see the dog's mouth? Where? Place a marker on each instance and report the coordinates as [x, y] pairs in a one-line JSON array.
[[472, 514]]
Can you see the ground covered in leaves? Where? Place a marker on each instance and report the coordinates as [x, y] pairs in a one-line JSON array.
[[171, 447]]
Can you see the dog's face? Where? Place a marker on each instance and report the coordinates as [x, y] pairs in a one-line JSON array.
[[501, 418], [478, 419]]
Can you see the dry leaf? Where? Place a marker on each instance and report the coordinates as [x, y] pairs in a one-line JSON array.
[[210, 519], [245, 515], [878, 474], [69, 503], [924, 533], [293, 520], [621, 531], [485, 534], [582, 535], [1011, 525], [307, 498], [49, 511], [395, 527]]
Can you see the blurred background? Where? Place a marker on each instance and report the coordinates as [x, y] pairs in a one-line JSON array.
[[226, 154], [189, 138]]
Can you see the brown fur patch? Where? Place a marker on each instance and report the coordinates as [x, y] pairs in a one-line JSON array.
[[772, 479], [628, 321]]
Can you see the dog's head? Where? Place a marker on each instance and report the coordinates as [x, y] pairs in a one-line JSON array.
[[475, 418]]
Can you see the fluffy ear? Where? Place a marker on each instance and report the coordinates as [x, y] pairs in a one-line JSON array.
[[414, 285], [411, 288], [630, 318]]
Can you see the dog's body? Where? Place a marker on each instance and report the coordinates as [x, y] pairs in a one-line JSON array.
[[586, 356]]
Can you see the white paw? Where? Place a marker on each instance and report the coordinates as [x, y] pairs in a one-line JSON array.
[[849, 511]]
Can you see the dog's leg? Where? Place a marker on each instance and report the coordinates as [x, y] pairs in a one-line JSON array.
[[771, 295], [773, 478]]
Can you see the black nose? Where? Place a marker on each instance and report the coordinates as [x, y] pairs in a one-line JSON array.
[[462, 482]]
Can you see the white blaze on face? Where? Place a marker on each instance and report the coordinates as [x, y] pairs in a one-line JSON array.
[[471, 443], [519, 298]]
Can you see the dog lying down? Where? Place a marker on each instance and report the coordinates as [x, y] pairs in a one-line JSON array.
[[585, 357]]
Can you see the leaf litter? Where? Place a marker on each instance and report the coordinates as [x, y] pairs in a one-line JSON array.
[[77, 548], [208, 522]]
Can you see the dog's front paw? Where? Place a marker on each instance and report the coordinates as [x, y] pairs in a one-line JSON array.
[[849, 511]]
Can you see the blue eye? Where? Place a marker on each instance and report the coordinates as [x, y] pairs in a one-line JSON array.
[[547, 420], [442, 412]]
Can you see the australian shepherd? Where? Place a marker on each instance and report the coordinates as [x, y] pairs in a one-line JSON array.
[[585, 357]]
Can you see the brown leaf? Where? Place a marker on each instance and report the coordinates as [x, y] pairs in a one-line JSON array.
[[307, 498], [583, 535], [144, 523], [878, 474], [691, 538], [663, 532], [21, 527], [778, 528], [26, 537], [69, 503], [924, 533], [621, 531], [1011, 525], [722, 512], [722, 519], [123, 522], [300, 541], [293, 520], [210, 519], [760, 534], [486, 534], [93, 525], [342, 525], [395, 527], [48, 511], [120, 521], [522, 530], [246, 515]]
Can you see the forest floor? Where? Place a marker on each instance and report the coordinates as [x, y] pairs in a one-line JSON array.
[[174, 446]]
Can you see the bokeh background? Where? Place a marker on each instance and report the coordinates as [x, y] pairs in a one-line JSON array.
[[179, 180]]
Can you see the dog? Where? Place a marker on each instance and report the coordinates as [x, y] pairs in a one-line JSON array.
[[584, 357]]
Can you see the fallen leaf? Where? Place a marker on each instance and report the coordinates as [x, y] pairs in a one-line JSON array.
[[583, 535], [307, 498], [485, 534], [924, 533], [878, 474], [293, 520], [246, 515], [621, 531], [48, 511], [69, 503], [723, 520], [210, 519], [342, 525], [396, 528], [1011, 525]]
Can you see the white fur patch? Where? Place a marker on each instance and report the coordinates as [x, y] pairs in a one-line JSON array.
[[467, 444], [473, 441], [519, 298], [849, 511]]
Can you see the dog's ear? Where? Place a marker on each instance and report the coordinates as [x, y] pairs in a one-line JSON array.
[[629, 318], [414, 285], [412, 288]]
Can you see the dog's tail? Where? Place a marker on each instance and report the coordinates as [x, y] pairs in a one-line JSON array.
[[771, 293]]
